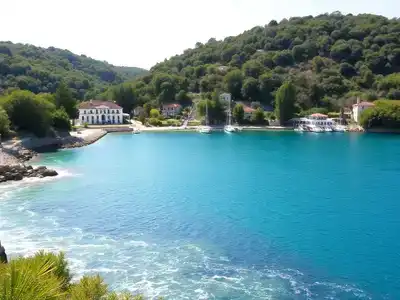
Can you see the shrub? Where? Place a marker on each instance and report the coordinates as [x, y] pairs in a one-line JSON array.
[[154, 122], [154, 113], [4, 123], [61, 119], [85, 125], [45, 276]]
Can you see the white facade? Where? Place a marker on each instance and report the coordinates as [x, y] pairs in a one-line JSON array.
[[101, 114], [171, 110], [359, 108], [225, 97]]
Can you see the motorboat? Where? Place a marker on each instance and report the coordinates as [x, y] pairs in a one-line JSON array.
[[316, 129], [327, 129], [301, 128]]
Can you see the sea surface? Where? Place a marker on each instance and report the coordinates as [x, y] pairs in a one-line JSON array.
[[260, 215]]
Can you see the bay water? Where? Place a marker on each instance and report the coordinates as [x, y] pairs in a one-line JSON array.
[[257, 215]]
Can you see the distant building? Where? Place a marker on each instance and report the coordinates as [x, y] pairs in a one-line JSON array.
[[359, 107], [225, 97], [100, 112], [248, 112], [171, 110], [138, 111]]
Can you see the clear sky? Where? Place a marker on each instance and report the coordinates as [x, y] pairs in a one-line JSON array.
[[143, 32]]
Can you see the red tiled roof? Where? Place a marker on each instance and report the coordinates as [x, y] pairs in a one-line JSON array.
[[96, 103], [248, 109], [364, 103], [174, 105], [318, 115]]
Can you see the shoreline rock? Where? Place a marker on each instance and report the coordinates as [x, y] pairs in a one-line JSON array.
[[20, 171]]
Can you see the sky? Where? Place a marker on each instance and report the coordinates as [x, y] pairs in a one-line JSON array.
[[141, 33]]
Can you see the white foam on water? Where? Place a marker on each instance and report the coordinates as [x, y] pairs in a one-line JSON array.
[[186, 271]]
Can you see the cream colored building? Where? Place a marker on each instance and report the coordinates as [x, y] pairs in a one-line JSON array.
[[100, 112]]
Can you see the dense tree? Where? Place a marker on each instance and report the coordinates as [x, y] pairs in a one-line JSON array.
[[4, 123], [258, 116], [384, 114], [285, 102], [28, 111], [41, 70], [233, 83], [124, 96], [64, 99], [238, 113], [60, 119], [154, 113], [250, 89]]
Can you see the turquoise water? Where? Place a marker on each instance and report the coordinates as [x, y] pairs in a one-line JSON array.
[[250, 216]]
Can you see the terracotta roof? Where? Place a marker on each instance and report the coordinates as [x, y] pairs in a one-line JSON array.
[[248, 109], [174, 105], [319, 115], [96, 103], [364, 103]]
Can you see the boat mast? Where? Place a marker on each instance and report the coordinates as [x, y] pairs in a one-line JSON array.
[[206, 112], [230, 113]]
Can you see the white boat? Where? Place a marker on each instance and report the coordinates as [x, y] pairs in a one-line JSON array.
[[205, 129], [301, 128], [229, 128], [340, 128], [315, 128], [327, 129], [135, 130]]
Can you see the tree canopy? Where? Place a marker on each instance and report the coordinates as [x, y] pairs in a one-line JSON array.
[[327, 58], [40, 70]]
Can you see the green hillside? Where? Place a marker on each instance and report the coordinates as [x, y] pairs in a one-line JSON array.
[[40, 70], [330, 59]]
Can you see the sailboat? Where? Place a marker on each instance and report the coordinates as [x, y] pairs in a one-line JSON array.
[[229, 128], [206, 128]]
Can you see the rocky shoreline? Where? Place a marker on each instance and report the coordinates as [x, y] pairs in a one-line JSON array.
[[21, 171]]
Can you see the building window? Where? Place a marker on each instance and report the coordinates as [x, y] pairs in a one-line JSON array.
[[83, 118], [84, 112]]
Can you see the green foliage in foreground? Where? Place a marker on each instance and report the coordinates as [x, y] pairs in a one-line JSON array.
[[385, 114], [46, 276]]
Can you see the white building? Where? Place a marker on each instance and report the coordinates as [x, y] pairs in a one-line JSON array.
[[225, 97], [359, 107], [100, 112], [171, 110]]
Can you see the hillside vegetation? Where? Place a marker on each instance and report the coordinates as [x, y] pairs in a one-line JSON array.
[[40, 70], [329, 59]]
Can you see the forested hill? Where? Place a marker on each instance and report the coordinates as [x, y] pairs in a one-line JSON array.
[[40, 70], [328, 58]]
